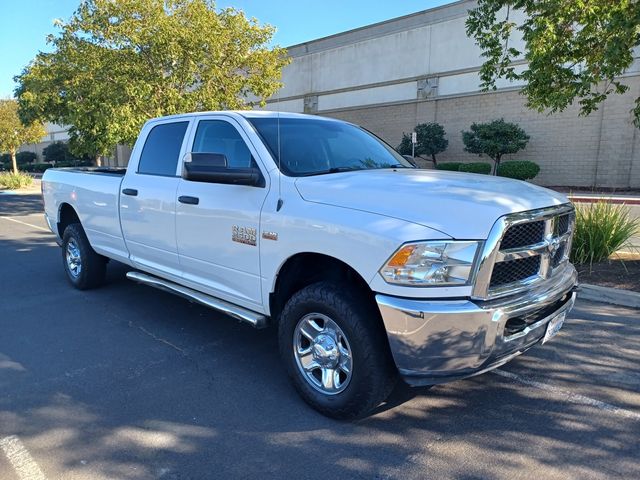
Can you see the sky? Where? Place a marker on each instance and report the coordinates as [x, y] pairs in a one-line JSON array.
[[25, 24]]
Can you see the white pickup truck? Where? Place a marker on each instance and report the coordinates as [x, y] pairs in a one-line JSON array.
[[371, 269]]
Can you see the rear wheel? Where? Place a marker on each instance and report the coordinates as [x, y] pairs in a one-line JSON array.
[[336, 351], [85, 268]]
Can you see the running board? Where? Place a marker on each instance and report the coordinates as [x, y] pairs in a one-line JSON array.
[[255, 319]]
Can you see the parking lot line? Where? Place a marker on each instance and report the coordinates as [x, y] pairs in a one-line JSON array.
[[569, 396], [21, 460], [25, 223]]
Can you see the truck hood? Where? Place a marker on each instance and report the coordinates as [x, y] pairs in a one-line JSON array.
[[461, 205]]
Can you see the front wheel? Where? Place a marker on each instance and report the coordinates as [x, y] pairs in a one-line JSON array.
[[335, 350], [84, 267]]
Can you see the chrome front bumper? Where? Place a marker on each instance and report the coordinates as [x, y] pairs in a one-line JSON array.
[[435, 341]]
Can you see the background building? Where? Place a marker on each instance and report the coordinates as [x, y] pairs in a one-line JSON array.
[[422, 67]]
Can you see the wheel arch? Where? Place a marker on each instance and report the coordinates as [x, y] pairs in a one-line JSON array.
[[306, 268], [66, 216]]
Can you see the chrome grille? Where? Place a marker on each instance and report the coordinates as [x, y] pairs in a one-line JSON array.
[[524, 249]]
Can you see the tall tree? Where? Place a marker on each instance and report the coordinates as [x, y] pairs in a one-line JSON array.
[[114, 65], [574, 49], [494, 139], [14, 133]]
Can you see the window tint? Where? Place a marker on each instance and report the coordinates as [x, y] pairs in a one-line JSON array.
[[162, 148], [218, 136]]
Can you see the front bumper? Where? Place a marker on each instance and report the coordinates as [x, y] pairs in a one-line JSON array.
[[442, 340]]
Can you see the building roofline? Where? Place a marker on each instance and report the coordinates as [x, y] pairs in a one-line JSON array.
[[386, 27]]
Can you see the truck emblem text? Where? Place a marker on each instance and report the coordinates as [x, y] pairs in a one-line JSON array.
[[246, 235]]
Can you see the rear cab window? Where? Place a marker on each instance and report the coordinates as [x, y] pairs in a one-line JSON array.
[[161, 149]]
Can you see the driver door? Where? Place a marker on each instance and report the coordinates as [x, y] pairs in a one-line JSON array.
[[218, 224]]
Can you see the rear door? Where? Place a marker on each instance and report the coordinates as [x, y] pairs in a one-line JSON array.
[[148, 197], [219, 238]]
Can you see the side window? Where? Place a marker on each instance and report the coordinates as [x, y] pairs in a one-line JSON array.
[[218, 136], [162, 149]]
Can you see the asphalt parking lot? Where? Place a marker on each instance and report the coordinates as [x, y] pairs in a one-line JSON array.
[[133, 383]]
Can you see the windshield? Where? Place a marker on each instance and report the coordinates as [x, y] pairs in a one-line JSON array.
[[310, 146]]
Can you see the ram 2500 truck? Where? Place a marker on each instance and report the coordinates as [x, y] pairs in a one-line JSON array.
[[370, 269]]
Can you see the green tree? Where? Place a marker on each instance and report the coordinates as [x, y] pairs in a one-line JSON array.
[[14, 133], [430, 141], [574, 49], [494, 139], [57, 152], [115, 65]]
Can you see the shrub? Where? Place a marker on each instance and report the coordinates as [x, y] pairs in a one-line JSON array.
[[57, 152], [75, 163], [476, 167], [494, 139], [36, 167], [601, 229], [519, 169], [431, 141], [14, 181], [452, 166], [25, 157]]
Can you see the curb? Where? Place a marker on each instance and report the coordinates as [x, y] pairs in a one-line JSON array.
[[615, 296]]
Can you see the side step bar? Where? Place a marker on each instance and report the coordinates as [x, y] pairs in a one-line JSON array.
[[257, 320]]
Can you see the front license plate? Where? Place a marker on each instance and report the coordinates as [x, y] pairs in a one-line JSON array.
[[554, 326]]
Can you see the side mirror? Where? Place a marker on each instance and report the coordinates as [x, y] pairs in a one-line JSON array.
[[212, 168]]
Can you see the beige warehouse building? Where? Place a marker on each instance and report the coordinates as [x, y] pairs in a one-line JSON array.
[[420, 68]]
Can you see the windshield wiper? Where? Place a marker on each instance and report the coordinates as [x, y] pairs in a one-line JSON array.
[[349, 169], [331, 170]]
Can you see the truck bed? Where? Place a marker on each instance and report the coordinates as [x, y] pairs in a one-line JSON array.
[[94, 193]]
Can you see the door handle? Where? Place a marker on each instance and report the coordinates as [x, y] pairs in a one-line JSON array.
[[189, 200], [130, 191]]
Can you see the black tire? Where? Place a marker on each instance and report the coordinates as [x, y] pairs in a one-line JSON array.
[[93, 266], [373, 373]]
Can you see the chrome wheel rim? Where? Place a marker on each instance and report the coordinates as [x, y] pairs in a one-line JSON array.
[[74, 260], [322, 353]]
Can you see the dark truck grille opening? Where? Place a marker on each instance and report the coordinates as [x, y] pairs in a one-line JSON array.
[[561, 225], [514, 270], [517, 324], [558, 256], [523, 234]]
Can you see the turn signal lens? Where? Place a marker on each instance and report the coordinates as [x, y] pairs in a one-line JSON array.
[[401, 256]]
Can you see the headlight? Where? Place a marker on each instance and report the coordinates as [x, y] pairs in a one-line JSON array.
[[431, 264]]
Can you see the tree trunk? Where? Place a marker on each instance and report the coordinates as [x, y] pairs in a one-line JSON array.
[[433, 159], [496, 164], [14, 162], [98, 160]]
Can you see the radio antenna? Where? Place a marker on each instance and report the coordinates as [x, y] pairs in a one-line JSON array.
[[280, 201]]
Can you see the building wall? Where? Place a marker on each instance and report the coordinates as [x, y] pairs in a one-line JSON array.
[[393, 75], [601, 150]]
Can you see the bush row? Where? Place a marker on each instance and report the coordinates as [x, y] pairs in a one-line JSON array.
[[41, 167], [518, 169]]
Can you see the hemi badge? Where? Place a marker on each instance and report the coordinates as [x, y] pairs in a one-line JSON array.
[[270, 235]]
